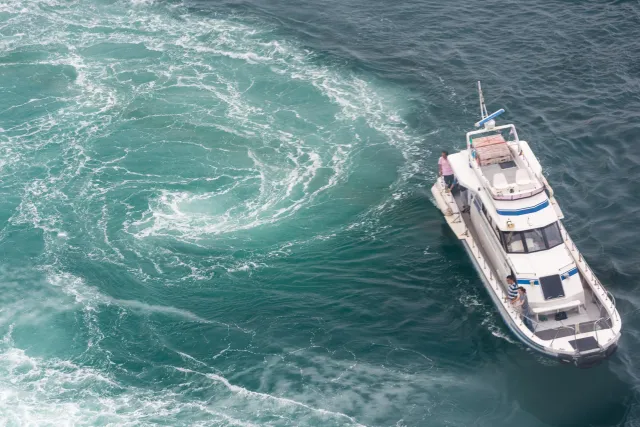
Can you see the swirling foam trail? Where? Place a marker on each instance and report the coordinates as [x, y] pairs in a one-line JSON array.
[[59, 392], [158, 133]]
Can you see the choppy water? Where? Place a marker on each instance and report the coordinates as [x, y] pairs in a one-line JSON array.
[[217, 213]]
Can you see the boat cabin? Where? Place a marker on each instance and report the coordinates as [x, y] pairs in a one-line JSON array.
[[502, 164]]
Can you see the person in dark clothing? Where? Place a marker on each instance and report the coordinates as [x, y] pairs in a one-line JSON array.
[[523, 303]]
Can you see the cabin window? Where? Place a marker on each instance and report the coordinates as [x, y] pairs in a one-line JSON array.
[[539, 239], [534, 239], [552, 233], [513, 242]]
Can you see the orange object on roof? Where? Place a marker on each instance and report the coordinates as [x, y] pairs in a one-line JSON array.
[[491, 149]]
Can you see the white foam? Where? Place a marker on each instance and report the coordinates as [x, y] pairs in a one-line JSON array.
[[59, 392], [150, 308], [264, 396], [280, 172], [356, 98], [91, 298]]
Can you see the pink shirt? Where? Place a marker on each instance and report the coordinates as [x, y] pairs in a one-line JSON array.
[[446, 167]]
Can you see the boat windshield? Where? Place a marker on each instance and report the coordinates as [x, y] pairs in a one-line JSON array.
[[539, 239]]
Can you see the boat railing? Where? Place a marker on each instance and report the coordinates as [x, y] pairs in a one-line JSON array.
[[606, 318], [605, 298], [516, 195], [558, 331], [546, 184], [589, 275], [525, 273], [533, 322], [539, 176], [493, 279], [563, 268], [575, 339]]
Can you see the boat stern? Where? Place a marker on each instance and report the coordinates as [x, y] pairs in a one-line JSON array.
[[588, 349]]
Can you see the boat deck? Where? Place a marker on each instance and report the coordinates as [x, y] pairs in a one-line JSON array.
[[585, 321], [508, 169]]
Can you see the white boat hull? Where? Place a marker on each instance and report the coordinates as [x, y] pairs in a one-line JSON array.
[[558, 347]]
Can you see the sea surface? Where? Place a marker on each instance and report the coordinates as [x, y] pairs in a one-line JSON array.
[[217, 213]]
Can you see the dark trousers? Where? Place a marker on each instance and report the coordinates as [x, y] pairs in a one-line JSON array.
[[448, 180]]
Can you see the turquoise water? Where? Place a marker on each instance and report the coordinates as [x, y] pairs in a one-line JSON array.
[[218, 213]]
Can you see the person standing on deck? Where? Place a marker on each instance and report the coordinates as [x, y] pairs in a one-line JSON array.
[[512, 290], [523, 302], [444, 170]]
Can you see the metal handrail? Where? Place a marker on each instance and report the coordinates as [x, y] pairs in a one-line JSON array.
[[593, 282], [605, 318], [499, 289], [526, 273], [595, 331], [568, 265], [531, 320], [557, 332], [611, 298], [520, 194]]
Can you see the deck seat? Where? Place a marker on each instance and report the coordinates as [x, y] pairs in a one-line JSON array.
[[522, 177], [500, 181], [556, 308]]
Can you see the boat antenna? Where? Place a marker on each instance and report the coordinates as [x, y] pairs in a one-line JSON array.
[[487, 119], [483, 107]]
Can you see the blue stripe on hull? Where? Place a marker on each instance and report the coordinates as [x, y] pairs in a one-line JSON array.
[[523, 211]]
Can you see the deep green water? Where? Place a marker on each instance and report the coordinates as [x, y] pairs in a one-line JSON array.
[[217, 213]]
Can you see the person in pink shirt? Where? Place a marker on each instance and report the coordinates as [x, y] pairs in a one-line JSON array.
[[444, 170]]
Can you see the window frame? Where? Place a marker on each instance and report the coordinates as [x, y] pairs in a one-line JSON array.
[[546, 240], [521, 233], [524, 244]]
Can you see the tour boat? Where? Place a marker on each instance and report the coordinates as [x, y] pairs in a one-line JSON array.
[[504, 212]]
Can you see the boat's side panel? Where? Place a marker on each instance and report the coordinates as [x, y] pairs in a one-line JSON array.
[[487, 238]]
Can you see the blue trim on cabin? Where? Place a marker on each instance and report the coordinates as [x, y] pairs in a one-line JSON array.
[[523, 211], [571, 272]]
